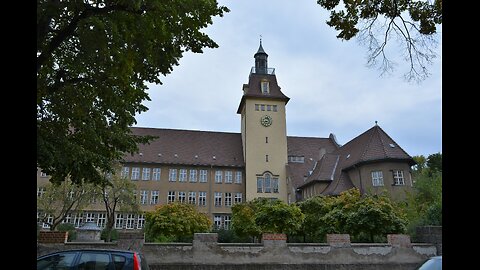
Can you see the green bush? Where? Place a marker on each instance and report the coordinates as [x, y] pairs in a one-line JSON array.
[[113, 236], [70, 228]]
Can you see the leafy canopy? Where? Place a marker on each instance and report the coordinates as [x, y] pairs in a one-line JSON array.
[[93, 61]]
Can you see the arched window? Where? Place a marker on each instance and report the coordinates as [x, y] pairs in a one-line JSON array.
[[267, 183]]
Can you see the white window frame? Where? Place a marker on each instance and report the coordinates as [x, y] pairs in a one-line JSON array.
[[192, 197], [182, 175], [202, 198], [119, 220], [143, 197], [172, 175], [238, 177], [171, 197], [156, 174], [77, 222], [182, 196], [154, 196], [238, 197], [377, 179], [90, 217], [228, 199], [125, 172], [193, 176], [218, 199], [398, 178], [265, 85], [101, 220], [228, 177], [135, 173], [227, 222], [218, 177], [146, 174], [217, 221], [140, 221], [130, 224], [41, 191], [203, 176]]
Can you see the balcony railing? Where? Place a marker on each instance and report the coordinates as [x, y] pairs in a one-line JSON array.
[[269, 71]]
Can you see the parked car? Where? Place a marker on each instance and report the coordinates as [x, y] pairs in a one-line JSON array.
[[92, 259], [434, 263]]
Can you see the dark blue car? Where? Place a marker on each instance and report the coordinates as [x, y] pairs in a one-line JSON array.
[[92, 259]]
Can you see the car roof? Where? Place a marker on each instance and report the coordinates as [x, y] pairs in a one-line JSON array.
[[90, 249]]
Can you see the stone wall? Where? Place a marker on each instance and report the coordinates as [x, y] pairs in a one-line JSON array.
[[206, 253], [430, 234]]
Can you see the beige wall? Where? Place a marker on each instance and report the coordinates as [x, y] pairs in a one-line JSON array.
[[396, 192], [164, 186], [255, 147]]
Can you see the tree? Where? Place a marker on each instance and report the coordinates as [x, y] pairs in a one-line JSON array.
[[93, 60], [375, 22], [243, 220], [434, 162], [117, 193], [316, 225], [62, 199], [175, 221]]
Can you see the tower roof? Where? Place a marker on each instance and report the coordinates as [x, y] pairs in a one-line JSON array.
[[260, 50]]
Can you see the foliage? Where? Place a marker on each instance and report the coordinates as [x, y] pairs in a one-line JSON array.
[[434, 162], [117, 193], [375, 22], [366, 217], [70, 228], [61, 199], [175, 220], [265, 216], [109, 234], [93, 61], [229, 236]]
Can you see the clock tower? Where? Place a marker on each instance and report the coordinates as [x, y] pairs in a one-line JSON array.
[[264, 132]]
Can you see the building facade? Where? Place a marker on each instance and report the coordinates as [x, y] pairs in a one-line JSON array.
[[215, 170]]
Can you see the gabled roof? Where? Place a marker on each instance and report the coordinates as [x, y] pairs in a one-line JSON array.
[[188, 147], [371, 146], [253, 90], [310, 149]]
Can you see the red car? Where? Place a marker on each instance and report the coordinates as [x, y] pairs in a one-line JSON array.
[[86, 259]]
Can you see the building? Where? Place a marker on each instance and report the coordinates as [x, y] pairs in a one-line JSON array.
[[214, 170]]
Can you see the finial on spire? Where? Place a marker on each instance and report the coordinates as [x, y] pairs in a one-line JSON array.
[[260, 39], [376, 123]]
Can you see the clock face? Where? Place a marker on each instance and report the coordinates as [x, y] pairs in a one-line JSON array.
[[266, 120]]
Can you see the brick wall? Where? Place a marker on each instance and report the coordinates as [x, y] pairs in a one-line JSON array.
[[52, 237]]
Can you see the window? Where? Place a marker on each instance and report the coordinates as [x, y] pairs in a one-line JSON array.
[[218, 176], [266, 158], [269, 108], [143, 197], [182, 176], [119, 221], [192, 197], [203, 176], [267, 184], [238, 177], [172, 175], [238, 197], [259, 184], [217, 221], [181, 196], [40, 191], [226, 222], [296, 159], [257, 107], [156, 174], [130, 221], [265, 88], [398, 179], [90, 217], [57, 261], [218, 199], [377, 178], [193, 176], [140, 221], [262, 107], [228, 177], [101, 220], [124, 173], [93, 260], [154, 197], [171, 197], [78, 220], [146, 174], [274, 107], [42, 174], [67, 219], [135, 173], [228, 199], [202, 198], [46, 225]]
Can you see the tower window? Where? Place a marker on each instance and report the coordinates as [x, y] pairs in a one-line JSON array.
[[265, 87], [266, 139], [266, 158]]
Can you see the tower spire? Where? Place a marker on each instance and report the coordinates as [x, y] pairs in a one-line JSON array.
[[261, 63]]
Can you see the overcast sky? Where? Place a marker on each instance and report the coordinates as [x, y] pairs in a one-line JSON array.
[[331, 89]]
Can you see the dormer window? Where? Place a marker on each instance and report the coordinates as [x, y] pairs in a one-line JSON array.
[[265, 87]]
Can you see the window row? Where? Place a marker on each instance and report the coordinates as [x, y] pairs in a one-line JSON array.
[[398, 178], [265, 107], [220, 199], [122, 220], [267, 184], [182, 175]]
